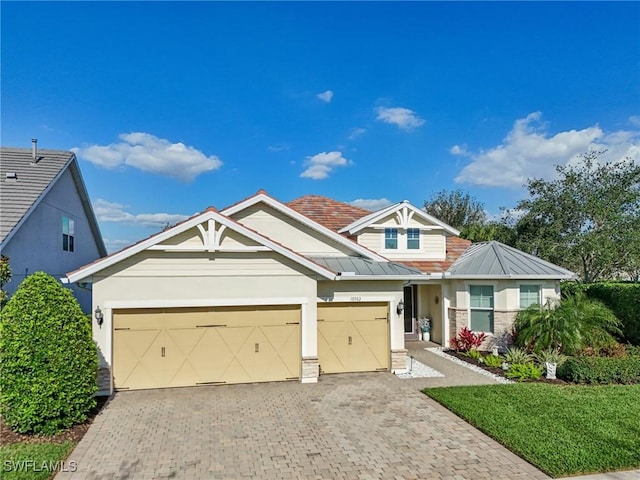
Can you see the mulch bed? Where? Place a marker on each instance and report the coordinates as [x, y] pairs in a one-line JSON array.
[[74, 434], [499, 371]]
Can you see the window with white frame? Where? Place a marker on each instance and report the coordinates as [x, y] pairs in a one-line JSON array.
[[413, 238], [481, 311], [68, 234], [391, 238], [529, 295]]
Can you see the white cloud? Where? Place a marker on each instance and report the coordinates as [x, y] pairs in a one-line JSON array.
[[634, 120], [113, 245], [278, 148], [371, 204], [529, 151], [325, 96], [151, 154], [459, 150], [403, 118], [321, 165], [116, 213], [356, 132]]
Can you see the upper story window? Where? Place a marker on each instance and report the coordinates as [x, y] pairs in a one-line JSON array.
[[391, 238], [413, 238], [68, 234], [529, 295], [481, 311]]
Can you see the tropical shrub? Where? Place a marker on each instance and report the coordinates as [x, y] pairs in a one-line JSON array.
[[623, 298], [467, 340], [524, 371], [578, 322], [492, 361], [550, 356], [474, 353], [517, 355], [601, 370], [47, 358]]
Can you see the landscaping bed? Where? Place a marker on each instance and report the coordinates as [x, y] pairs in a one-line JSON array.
[[40, 449], [562, 430]]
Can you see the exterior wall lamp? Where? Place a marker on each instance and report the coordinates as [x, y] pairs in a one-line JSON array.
[[99, 316], [400, 307]]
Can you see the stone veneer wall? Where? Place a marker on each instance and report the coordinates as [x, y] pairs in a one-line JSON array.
[[310, 370], [502, 323], [104, 379], [398, 359]]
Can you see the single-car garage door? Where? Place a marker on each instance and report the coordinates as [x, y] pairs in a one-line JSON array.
[[154, 348], [353, 337]]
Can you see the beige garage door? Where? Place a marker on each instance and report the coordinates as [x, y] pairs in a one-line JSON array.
[[353, 337], [155, 348]]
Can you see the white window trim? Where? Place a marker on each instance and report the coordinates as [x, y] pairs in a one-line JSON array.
[[398, 237], [480, 283], [403, 241]]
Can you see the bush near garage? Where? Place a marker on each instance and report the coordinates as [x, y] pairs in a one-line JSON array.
[[47, 357], [623, 298], [601, 370]]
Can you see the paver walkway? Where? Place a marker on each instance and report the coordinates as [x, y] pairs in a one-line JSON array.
[[356, 426]]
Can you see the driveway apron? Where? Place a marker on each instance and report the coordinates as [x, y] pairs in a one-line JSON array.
[[354, 426]]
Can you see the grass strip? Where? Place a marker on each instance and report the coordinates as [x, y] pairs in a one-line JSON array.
[[562, 430]]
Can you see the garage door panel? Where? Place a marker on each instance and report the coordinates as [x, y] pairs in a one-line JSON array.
[[177, 347], [353, 337]]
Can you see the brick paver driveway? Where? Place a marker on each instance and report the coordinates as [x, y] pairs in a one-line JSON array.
[[347, 426]]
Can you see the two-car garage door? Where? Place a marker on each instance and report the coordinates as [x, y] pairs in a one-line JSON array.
[[155, 348]]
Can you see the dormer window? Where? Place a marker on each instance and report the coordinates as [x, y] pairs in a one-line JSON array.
[[68, 234], [391, 238], [413, 238]]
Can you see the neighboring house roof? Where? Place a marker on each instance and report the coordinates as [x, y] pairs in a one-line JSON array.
[[455, 247], [358, 267], [327, 211], [25, 181], [208, 245], [406, 215], [497, 260], [262, 196]]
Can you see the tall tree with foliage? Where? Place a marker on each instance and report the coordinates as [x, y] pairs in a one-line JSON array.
[[587, 219], [456, 208]]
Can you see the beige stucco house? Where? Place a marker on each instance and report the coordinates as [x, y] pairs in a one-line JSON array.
[[267, 291]]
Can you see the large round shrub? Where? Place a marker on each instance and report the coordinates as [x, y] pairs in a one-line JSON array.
[[48, 361]]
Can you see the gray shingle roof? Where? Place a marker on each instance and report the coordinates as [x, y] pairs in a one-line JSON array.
[[497, 260], [24, 182], [364, 267]]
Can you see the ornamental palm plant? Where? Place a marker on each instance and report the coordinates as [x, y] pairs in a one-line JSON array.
[[578, 322]]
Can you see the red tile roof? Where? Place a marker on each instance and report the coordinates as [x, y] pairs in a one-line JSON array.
[[326, 211], [455, 247]]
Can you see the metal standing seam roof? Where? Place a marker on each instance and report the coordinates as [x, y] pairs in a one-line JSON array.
[[24, 181], [364, 267], [494, 260]]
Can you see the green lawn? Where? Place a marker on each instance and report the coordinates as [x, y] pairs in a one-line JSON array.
[[563, 430], [33, 461]]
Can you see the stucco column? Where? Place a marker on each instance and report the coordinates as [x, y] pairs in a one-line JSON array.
[[309, 346], [446, 303]]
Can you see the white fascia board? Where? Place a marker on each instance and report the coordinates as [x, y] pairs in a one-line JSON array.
[[382, 277], [282, 208], [364, 222], [93, 268]]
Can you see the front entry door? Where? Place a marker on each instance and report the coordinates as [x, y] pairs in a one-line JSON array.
[[410, 308]]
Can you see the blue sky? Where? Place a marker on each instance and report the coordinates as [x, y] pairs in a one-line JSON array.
[[173, 107]]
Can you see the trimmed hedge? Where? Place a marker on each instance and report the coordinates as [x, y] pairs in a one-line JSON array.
[[47, 358], [623, 298], [601, 370]]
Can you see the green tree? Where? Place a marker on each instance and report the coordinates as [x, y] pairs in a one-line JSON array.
[[578, 322], [47, 358], [587, 219], [483, 232], [456, 208], [5, 276]]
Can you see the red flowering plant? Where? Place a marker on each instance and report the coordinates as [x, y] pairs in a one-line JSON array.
[[467, 340]]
